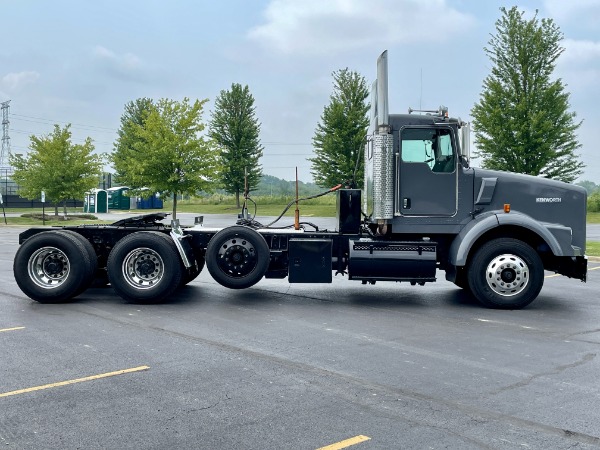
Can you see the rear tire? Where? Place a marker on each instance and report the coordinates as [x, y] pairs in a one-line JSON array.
[[237, 257], [145, 267], [506, 274], [93, 257], [53, 267], [192, 273]]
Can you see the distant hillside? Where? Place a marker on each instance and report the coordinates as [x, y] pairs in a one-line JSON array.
[[270, 185]]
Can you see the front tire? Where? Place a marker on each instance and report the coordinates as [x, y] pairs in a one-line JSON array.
[[53, 267], [506, 274], [145, 267], [237, 257]]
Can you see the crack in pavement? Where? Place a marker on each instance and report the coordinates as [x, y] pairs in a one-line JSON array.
[[586, 358]]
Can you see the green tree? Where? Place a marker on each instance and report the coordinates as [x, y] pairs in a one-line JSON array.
[[58, 167], [589, 186], [235, 128], [522, 121], [339, 137], [169, 154], [125, 147]]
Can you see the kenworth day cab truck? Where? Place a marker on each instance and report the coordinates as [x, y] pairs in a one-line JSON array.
[[422, 210]]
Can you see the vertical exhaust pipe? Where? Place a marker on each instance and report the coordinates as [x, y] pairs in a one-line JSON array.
[[382, 91], [379, 157]]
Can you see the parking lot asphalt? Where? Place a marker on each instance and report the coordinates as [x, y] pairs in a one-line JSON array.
[[300, 367]]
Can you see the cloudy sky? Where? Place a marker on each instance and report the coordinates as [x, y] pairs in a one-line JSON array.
[[79, 62]]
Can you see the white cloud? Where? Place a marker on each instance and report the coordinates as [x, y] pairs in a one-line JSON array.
[[580, 52], [322, 26], [572, 9], [16, 80], [125, 66], [579, 65]]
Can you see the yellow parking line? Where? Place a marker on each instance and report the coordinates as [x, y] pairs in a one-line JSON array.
[[77, 380], [346, 443], [11, 329]]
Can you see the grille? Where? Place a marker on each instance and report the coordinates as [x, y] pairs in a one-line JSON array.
[[393, 248]]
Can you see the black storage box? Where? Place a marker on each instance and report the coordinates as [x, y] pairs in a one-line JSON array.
[[309, 261], [393, 261]]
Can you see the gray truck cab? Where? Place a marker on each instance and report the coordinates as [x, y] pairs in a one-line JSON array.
[[419, 186]]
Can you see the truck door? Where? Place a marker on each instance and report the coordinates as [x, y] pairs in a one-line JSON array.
[[427, 174]]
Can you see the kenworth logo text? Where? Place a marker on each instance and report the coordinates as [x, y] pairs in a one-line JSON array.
[[548, 200]]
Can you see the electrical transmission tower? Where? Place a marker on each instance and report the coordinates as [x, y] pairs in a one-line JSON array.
[[4, 164]]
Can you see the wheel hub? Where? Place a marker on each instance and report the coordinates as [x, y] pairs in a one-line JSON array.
[[237, 257], [507, 275], [53, 266], [146, 267], [143, 268]]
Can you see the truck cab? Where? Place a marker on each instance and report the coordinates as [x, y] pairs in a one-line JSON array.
[[419, 186]]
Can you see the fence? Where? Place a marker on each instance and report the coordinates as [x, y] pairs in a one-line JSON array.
[[14, 201], [7, 185], [11, 198]]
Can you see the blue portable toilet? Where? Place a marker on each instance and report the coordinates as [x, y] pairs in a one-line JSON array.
[[152, 202], [157, 202]]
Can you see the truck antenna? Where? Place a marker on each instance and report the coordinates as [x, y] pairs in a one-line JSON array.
[[421, 91]]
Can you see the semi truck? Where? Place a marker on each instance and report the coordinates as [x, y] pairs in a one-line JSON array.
[[423, 211]]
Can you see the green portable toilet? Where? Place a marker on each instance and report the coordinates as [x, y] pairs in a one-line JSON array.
[[95, 201], [118, 198]]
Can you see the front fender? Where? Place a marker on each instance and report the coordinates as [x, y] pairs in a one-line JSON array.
[[463, 243]]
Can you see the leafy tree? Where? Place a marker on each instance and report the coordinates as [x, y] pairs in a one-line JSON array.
[[134, 116], [339, 137], [522, 121], [168, 154], [235, 128], [589, 186], [57, 166]]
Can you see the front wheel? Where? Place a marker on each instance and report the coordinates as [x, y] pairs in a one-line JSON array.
[[506, 274], [145, 267]]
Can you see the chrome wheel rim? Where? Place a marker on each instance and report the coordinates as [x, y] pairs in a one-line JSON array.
[[143, 268], [49, 267], [507, 275]]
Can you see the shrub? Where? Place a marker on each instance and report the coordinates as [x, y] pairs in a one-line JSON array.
[[593, 202]]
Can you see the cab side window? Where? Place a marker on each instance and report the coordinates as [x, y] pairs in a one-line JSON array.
[[430, 146]]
